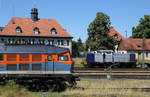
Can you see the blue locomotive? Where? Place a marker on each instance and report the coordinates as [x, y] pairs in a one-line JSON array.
[[105, 58], [38, 66]]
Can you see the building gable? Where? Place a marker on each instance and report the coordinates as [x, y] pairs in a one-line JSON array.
[[117, 36], [134, 44]]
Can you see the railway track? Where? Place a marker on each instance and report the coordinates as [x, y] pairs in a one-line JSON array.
[[128, 73], [115, 69]]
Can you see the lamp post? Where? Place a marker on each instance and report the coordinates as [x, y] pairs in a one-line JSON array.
[[143, 65]]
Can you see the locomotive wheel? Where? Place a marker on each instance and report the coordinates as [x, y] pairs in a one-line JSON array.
[[59, 86]]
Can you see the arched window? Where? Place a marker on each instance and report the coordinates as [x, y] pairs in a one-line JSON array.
[[18, 30], [36, 30], [53, 31]]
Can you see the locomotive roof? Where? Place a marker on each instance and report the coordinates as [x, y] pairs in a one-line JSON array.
[[31, 49]]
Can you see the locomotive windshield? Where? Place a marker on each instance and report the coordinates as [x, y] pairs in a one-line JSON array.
[[63, 58], [1, 57], [49, 58]]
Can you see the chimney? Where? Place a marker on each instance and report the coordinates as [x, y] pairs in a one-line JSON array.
[[34, 14]]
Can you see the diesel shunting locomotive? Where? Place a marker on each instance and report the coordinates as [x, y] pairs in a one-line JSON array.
[[37, 65], [106, 58]]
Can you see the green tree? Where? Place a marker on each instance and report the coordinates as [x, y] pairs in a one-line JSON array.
[[78, 48], [75, 50], [98, 38], [142, 28], [81, 47]]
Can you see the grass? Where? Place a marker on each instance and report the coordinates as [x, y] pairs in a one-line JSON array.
[[85, 88], [105, 88], [78, 62]]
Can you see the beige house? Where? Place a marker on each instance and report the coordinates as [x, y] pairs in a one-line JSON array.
[[35, 31], [135, 45]]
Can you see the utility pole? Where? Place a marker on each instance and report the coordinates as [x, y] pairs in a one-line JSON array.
[[143, 61], [126, 34]]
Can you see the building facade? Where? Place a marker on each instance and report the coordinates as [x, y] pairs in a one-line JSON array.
[[117, 36], [135, 45], [35, 31]]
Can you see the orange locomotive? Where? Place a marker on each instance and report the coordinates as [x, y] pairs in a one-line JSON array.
[[36, 63]]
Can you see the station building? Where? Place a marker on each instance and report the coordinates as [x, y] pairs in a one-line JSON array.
[[35, 31]]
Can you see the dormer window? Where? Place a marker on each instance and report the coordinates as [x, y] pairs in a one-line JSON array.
[[53, 31], [36, 30], [18, 30], [115, 36], [138, 45], [1, 29]]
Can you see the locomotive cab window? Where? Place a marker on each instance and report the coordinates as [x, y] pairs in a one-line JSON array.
[[63, 58], [1, 57], [49, 58]]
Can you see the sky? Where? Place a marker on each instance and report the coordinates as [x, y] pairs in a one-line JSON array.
[[76, 15]]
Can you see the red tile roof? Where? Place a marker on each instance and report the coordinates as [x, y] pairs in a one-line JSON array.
[[114, 32], [134, 44], [27, 26]]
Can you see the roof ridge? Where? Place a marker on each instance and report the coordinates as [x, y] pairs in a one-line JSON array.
[[30, 18]]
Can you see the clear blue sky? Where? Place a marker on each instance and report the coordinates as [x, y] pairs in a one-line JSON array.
[[76, 15]]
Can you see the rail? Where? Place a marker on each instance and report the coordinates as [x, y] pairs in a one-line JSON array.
[[109, 70]]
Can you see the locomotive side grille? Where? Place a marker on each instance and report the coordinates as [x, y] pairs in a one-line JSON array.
[[24, 57], [11, 57], [36, 57], [23, 66], [11, 67], [37, 67]]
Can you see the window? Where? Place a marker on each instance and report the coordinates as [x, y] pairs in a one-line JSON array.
[[22, 41], [41, 41], [19, 41], [32, 41], [1, 57], [55, 42], [11, 41], [139, 53], [49, 58], [58, 42], [18, 30], [62, 42], [147, 54], [46, 42], [2, 39], [53, 31], [25, 41], [36, 30], [67, 42], [52, 42], [63, 58], [8, 41], [115, 36], [139, 45], [36, 41]]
